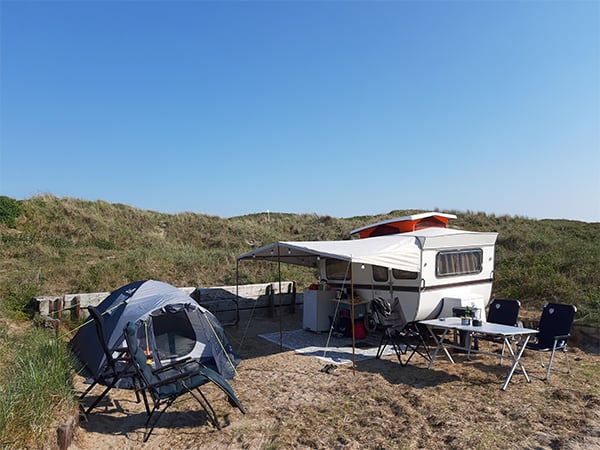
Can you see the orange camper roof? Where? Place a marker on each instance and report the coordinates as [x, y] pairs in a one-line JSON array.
[[404, 224]]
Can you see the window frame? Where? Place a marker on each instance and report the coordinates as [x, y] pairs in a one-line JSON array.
[[456, 263]]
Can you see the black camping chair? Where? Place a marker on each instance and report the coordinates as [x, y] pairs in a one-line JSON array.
[[117, 367], [167, 383], [404, 337], [554, 331], [503, 312]]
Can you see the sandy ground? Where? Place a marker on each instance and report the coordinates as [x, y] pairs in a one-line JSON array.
[[293, 403]]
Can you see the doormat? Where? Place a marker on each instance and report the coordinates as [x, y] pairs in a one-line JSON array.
[[339, 350]]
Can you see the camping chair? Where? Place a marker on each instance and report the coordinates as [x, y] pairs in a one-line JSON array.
[[503, 312], [117, 368], [554, 330], [404, 337], [167, 383]]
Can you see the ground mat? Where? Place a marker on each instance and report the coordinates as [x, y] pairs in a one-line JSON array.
[[339, 350]]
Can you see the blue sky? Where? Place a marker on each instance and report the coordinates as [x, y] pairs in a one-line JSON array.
[[337, 108]]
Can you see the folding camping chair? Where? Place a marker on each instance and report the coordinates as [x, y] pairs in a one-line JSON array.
[[167, 383], [554, 331], [404, 337], [503, 312], [117, 368]]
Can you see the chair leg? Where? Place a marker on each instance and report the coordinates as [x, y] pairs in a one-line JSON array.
[[98, 399], [208, 409], [382, 346], [427, 355], [87, 391], [415, 349], [386, 340], [551, 360], [101, 396], [549, 364], [399, 351], [82, 396], [138, 388], [150, 424]]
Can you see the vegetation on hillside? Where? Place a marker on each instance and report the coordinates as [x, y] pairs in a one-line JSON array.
[[53, 246]]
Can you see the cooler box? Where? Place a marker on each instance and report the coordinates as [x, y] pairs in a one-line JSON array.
[[318, 306]]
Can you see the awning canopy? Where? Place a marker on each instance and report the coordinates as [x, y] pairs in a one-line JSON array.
[[394, 251]]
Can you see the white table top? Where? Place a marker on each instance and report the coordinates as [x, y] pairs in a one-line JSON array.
[[454, 323]]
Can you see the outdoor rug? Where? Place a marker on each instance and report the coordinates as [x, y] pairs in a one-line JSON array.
[[339, 350]]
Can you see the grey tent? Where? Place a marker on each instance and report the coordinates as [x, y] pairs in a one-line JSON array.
[[181, 328]]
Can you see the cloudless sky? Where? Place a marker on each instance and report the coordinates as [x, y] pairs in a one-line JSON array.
[[339, 108]]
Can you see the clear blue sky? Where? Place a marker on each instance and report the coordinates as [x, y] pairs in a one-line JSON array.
[[336, 108]]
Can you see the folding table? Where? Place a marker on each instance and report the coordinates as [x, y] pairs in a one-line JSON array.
[[486, 328]]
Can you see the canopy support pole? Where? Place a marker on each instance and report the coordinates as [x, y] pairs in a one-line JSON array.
[[352, 321], [280, 300], [237, 292]]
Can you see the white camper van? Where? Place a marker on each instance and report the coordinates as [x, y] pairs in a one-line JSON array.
[[429, 267]]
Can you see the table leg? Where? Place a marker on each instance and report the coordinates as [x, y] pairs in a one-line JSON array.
[[440, 345], [468, 339], [517, 362]]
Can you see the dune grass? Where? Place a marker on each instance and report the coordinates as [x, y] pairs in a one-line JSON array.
[[63, 245], [54, 246], [35, 386]]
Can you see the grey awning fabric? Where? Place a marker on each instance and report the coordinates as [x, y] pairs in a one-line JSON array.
[[394, 251]]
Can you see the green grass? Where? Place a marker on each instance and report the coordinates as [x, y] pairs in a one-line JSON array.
[[53, 246], [35, 386], [65, 245]]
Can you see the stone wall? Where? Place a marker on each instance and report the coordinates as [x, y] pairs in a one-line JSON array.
[[223, 301]]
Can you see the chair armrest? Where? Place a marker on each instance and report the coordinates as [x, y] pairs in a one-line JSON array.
[[170, 380], [174, 365], [563, 336]]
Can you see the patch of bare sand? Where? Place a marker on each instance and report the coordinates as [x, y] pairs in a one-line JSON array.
[[377, 405]]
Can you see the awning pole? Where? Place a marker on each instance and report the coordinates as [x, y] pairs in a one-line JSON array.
[[280, 301], [237, 292], [352, 320]]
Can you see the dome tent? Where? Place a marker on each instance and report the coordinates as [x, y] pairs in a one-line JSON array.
[[181, 329]]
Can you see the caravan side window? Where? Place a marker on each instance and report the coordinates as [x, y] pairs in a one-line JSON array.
[[380, 273], [458, 262], [337, 270], [400, 274]]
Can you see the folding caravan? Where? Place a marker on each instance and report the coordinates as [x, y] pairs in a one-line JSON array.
[[429, 267]]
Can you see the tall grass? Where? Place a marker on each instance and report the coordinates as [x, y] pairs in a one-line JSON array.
[[35, 386], [56, 246], [52, 246]]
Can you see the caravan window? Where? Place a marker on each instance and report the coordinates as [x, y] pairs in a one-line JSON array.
[[337, 270], [400, 274], [458, 262], [380, 273]]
